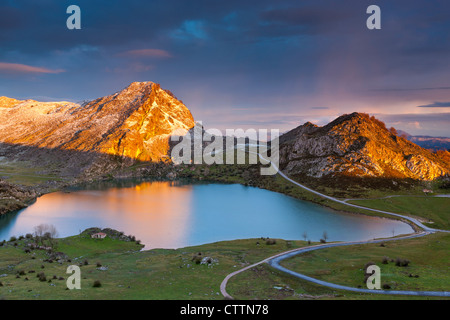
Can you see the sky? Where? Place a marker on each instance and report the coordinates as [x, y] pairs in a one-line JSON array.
[[239, 64]]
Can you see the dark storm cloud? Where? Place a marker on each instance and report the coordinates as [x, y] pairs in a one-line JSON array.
[[306, 19], [270, 56], [9, 18]]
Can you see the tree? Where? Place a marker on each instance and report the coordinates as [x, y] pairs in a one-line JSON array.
[[305, 235], [325, 236], [393, 131], [47, 232]]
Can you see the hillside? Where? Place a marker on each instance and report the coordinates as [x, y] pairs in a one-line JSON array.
[[133, 124], [356, 145]]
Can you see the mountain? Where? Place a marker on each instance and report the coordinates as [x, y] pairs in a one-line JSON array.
[[130, 125], [356, 145], [427, 142]]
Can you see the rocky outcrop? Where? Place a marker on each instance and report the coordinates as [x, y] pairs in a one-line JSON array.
[[13, 197], [356, 145], [131, 125]]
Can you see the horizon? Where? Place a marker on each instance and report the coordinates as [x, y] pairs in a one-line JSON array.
[[240, 65]]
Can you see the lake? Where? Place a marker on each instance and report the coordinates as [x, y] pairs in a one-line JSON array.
[[174, 214]]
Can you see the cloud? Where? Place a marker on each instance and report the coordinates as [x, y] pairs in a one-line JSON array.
[[191, 29], [23, 68], [153, 53], [436, 105], [320, 108], [412, 89]]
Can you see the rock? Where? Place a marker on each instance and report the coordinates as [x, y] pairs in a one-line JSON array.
[[18, 196]]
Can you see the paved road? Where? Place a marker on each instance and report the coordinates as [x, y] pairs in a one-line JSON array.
[[275, 260]]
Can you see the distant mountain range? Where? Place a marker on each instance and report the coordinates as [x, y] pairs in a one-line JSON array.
[[427, 142]]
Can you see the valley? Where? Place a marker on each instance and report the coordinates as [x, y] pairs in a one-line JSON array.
[[354, 159]]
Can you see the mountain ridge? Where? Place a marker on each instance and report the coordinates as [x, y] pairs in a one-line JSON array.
[[357, 145], [134, 124]]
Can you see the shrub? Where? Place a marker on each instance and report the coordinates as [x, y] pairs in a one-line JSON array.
[[97, 284], [85, 262], [21, 272], [99, 264], [197, 259], [1, 284], [393, 131], [368, 264], [29, 236], [271, 241], [12, 239], [401, 262], [385, 260], [385, 286], [322, 241], [42, 277], [378, 122], [21, 237]]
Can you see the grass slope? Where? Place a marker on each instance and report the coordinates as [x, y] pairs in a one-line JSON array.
[[436, 210]]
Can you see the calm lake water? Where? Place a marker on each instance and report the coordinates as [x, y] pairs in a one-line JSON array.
[[177, 214]]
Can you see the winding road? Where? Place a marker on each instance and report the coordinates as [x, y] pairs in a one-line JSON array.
[[275, 260]]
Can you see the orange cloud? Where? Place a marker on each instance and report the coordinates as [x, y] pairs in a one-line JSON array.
[[155, 53], [23, 68]]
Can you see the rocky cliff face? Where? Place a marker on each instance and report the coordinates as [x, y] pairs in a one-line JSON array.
[[14, 197], [356, 145], [133, 124]]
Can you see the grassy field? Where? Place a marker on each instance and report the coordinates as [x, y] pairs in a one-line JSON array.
[[435, 210], [428, 257], [172, 274], [24, 173], [131, 274]]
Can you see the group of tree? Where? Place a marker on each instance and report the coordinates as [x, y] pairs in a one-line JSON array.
[[45, 235]]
